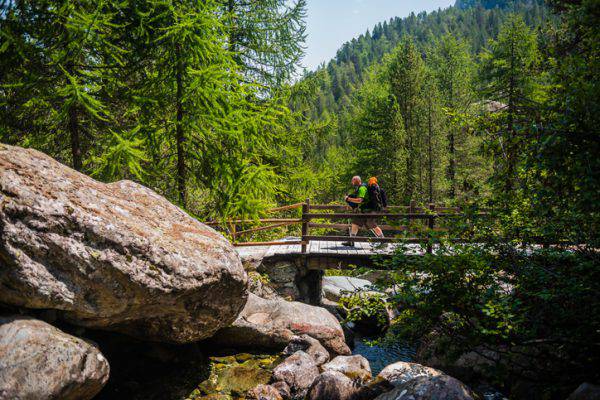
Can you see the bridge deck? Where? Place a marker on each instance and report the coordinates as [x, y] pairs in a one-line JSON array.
[[325, 248]]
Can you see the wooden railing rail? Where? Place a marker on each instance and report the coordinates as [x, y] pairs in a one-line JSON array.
[[283, 208], [253, 221], [310, 220]]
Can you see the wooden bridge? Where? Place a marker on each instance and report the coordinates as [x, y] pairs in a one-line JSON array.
[[412, 226]]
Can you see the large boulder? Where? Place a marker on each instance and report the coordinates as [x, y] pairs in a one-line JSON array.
[[111, 256], [441, 387], [298, 371], [273, 323], [332, 385], [417, 382], [354, 367], [38, 361], [402, 372], [335, 286]]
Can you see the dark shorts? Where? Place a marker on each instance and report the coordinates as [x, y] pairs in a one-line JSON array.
[[365, 222]]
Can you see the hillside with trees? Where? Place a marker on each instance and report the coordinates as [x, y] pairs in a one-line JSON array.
[[411, 82]]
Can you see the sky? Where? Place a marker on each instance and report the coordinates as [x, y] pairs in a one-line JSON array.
[[331, 23]]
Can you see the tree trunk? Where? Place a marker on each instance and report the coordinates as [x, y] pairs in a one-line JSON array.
[[451, 165], [511, 112], [179, 134], [451, 148], [75, 138], [430, 152]]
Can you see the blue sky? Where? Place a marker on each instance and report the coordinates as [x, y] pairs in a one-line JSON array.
[[330, 23]]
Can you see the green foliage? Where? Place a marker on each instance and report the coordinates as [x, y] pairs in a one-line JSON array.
[[507, 301], [266, 38], [511, 76], [155, 91], [364, 306], [564, 156], [123, 158]]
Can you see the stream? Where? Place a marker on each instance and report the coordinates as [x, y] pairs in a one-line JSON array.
[[381, 355]]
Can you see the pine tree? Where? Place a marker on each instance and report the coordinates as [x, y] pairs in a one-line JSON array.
[[58, 53], [265, 38], [453, 70], [379, 136], [510, 73], [406, 74]]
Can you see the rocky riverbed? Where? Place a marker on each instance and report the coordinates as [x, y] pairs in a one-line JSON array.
[[109, 291]]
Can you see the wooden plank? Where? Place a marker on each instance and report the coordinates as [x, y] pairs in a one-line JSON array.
[[283, 208], [255, 221], [343, 227], [333, 207], [370, 215], [347, 226], [263, 228], [364, 239], [268, 243]]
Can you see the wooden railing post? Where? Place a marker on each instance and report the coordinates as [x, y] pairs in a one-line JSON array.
[[431, 223], [305, 221], [233, 232], [411, 211]]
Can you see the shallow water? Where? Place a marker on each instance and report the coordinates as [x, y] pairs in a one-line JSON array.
[[381, 355], [232, 376]]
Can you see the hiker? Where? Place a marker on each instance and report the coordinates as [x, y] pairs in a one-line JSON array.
[[365, 199]]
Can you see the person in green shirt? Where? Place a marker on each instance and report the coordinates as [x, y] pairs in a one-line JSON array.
[[359, 201]]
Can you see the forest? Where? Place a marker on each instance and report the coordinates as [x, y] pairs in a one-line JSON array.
[[486, 104]]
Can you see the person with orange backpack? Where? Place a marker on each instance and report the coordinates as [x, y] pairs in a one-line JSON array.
[[365, 199]]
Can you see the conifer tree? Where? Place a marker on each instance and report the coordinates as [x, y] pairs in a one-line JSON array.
[[510, 74], [453, 70], [406, 73], [53, 85], [379, 136], [265, 38]]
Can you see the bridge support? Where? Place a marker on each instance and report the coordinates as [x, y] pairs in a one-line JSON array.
[[292, 279]]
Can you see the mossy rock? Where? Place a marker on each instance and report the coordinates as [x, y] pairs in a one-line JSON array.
[[233, 376], [223, 360], [243, 357]]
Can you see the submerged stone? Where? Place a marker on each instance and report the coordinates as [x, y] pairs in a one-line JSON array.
[[232, 377]]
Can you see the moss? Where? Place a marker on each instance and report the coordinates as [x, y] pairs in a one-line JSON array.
[[243, 357], [232, 376]]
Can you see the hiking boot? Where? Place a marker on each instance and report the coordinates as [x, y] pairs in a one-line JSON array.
[[348, 244]]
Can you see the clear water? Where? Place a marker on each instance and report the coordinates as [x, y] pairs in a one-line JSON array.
[[382, 355]]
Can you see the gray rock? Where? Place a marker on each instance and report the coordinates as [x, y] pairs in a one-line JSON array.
[[283, 389], [298, 371], [38, 361], [310, 346], [284, 276], [334, 286], [418, 382], [259, 285], [441, 387], [111, 256], [355, 367], [586, 391], [402, 372], [264, 392], [273, 323], [332, 385]]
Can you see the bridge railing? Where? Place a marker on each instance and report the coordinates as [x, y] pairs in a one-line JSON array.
[[418, 219]]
